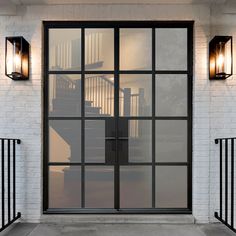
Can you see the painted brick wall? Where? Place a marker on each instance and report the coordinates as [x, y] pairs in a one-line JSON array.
[[21, 102], [223, 98]]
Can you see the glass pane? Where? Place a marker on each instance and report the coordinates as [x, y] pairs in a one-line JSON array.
[[135, 186], [135, 49], [171, 186], [99, 95], [64, 141], [95, 141], [99, 49], [64, 95], [140, 141], [171, 95], [64, 187], [64, 49], [135, 95], [171, 49], [171, 140], [99, 187]]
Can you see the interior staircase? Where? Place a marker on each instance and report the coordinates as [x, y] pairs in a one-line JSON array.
[[98, 134]]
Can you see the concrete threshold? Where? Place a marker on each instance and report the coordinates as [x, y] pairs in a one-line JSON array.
[[119, 219]]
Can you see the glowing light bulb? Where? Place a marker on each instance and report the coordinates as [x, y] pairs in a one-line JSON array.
[[220, 63], [17, 63]]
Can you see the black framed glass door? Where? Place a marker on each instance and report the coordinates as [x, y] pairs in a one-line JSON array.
[[118, 117]]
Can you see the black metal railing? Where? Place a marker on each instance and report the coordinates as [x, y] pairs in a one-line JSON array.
[[8, 182], [100, 91], [226, 212]]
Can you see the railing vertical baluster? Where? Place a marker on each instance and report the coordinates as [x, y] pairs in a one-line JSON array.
[[9, 179], [232, 182], [87, 89], [221, 180], [102, 96], [105, 97], [96, 91], [8, 148], [228, 177], [3, 183], [226, 180], [14, 178], [99, 93], [110, 95], [93, 91]]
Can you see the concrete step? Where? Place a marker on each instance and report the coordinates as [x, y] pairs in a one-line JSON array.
[[91, 114], [120, 219], [74, 98], [94, 110]]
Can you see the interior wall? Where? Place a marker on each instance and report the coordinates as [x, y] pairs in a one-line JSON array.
[[21, 103]]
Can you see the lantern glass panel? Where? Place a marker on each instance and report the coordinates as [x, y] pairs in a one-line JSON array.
[[14, 57]]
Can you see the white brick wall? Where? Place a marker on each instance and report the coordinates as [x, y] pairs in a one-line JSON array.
[[21, 102], [222, 104]]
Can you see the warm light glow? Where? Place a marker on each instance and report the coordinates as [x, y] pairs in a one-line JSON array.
[[17, 63], [220, 63]]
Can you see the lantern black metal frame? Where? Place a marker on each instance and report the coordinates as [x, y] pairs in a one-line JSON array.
[[212, 56], [24, 48]]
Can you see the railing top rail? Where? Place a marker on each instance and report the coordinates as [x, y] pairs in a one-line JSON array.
[[12, 139], [65, 77], [105, 79], [218, 139]]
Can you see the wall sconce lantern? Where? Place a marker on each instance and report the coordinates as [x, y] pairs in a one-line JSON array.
[[220, 57], [17, 58]]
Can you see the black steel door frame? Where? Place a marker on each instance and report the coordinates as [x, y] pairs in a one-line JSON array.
[[116, 25]]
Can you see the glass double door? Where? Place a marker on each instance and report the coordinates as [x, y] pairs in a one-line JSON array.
[[117, 117]]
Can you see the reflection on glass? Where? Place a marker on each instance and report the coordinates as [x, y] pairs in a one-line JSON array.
[[99, 95], [64, 187], [135, 186], [171, 95], [171, 140], [99, 187], [64, 141], [140, 141], [99, 49], [95, 141], [135, 49], [64, 49], [64, 95], [171, 186], [171, 49], [135, 95]]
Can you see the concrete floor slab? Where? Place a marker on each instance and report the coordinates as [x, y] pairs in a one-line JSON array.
[[118, 230]]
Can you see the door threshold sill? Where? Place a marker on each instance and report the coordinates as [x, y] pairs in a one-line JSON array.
[[119, 219]]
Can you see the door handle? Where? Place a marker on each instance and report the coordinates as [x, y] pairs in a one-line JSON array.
[[110, 138]]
